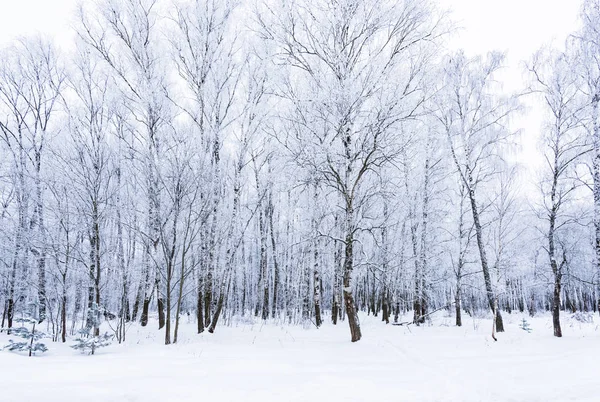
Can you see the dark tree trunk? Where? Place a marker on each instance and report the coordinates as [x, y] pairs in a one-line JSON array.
[[418, 290], [275, 262], [10, 313], [556, 268], [210, 263], [556, 308], [335, 303], [457, 307], [10, 303], [199, 308], [136, 303], [145, 311], [63, 318], [167, 322], [385, 306], [218, 309], [482, 254], [220, 301], [148, 289], [208, 297], [160, 304], [317, 299], [4, 315], [351, 312], [317, 286]]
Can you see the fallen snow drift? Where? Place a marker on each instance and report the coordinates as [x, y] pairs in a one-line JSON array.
[[270, 362]]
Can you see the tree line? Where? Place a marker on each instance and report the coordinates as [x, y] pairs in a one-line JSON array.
[[299, 161]]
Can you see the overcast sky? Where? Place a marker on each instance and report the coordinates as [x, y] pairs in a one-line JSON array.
[[519, 27]]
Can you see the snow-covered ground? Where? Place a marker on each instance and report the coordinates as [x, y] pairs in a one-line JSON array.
[[270, 362]]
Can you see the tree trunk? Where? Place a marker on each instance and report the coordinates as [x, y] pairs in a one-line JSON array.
[[262, 300], [317, 291], [351, 312], [182, 277], [263, 265], [274, 249], [63, 313], [160, 304], [199, 307], [10, 304], [147, 287], [138, 299], [210, 267], [94, 267], [335, 304], [457, 307], [483, 256], [423, 250], [417, 302], [168, 317], [231, 248], [78, 304], [10, 313], [385, 292], [41, 249], [556, 307], [596, 189]]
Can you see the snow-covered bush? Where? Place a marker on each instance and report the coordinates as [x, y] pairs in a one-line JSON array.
[[88, 344], [585, 318], [87, 341], [524, 325], [31, 338]]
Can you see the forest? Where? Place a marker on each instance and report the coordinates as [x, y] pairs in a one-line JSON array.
[[300, 161]]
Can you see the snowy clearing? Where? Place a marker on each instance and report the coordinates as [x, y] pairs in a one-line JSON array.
[[256, 362]]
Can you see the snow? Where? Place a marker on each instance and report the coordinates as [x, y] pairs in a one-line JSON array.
[[270, 362]]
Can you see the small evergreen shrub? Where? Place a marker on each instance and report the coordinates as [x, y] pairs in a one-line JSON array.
[[30, 337], [87, 342], [524, 325]]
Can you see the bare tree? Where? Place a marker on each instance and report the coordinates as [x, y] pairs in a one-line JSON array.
[[30, 86], [588, 40], [354, 72], [124, 35], [564, 144], [475, 121], [464, 237], [90, 166], [205, 51], [249, 126]]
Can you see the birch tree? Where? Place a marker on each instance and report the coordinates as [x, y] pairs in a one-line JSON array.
[[205, 48], [564, 145], [475, 117], [30, 86], [354, 71], [90, 167], [588, 40], [125, 36]]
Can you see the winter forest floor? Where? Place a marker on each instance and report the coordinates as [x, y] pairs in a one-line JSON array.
[[269, 362]]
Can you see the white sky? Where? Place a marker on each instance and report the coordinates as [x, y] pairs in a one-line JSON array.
[[519, 27], [23, 17]]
